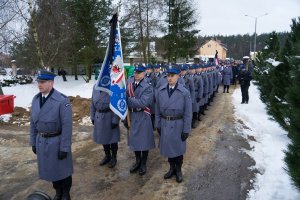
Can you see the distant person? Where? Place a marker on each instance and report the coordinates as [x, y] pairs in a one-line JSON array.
[[51, 135], [106, 127], [226, 77], [244, 79], [63, 73]]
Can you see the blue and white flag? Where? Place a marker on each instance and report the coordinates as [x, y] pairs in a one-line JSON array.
[[112, 78], [103, 81]]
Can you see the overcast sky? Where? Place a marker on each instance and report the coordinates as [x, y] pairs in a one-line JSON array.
[[227, 17]]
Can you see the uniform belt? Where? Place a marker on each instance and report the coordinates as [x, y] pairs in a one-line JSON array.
[[103, 110], [135, 109], [46, 135], [169, 118]]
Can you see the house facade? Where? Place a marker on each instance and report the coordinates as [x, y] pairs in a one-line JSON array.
[[208, 50]]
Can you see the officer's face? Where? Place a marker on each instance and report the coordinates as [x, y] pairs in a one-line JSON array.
[[172, 79], [45, 86], [183, 72], [138, 75], [148, 71], [157, 70], [192, 71], [198, 70]]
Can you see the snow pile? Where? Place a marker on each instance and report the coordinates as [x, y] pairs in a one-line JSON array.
[[272, 182], [5, 118], [25, 93], [273, 62]]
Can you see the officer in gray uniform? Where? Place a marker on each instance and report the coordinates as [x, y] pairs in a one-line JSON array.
[[173, 119], [51, 135], [227, 76], [151, 79], [140, 138], [198, 84], [203, 102], [106, 126]]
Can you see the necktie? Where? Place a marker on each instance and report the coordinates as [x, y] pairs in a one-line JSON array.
[[43, 100]]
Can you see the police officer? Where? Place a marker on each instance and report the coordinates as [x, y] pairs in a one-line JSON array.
[[51, 135], [198, 85], [106, 126], [140, 138], [173, 119], [244, 80], [151, 79], [227, 76]]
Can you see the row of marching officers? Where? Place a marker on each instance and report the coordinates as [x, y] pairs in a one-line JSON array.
[[169, 102]]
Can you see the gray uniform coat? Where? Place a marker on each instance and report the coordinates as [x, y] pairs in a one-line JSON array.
[[53, 117], [198, 84], [151, 79], [141, 136], [102, 133], [178, 104], [227, 75], [205, 89]]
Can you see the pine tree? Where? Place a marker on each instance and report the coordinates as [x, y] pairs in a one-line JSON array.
[[181, 38], [293, 96]]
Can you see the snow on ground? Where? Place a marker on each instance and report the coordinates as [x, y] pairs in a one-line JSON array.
[[25, 93], [272, 182]]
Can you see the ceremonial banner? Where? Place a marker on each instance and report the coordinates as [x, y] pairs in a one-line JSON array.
[[112, 78]]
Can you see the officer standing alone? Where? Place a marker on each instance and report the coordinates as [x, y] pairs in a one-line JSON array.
[[173, 117], [51, 135]]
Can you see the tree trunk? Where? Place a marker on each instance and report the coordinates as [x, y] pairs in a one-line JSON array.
[[141, 34], [1, 91], [35, 33], [75, 72]]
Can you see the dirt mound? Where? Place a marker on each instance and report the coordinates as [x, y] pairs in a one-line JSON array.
[[80, 108], [20, 116]]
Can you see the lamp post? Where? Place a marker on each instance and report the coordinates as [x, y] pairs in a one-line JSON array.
[[255, 17]]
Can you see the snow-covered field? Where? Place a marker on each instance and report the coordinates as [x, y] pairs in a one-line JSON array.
[[272, 182], [25, 93]]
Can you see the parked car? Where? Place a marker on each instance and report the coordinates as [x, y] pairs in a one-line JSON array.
[[2, 71]]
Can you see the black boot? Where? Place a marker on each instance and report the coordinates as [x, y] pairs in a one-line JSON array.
[[113, 161], [137, 163], [194, 120], [199, 114], [178, 165], [143, 168], [66, 194], [58, 190], [171, 171], [107, 157], [202, 110], [66, 187]]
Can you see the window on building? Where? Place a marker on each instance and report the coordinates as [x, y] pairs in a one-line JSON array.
[[209, 46]]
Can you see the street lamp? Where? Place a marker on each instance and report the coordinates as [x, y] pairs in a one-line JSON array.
[[255, 17]]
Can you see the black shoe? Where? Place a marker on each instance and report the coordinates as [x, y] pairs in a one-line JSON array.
[[104, 161], [171, 171], [179, 178], [227, 91], [143, 169], [194, 124], [58, 194], [135, 167], [242, 102], [199, 116], [66, 194], [112, 163]]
